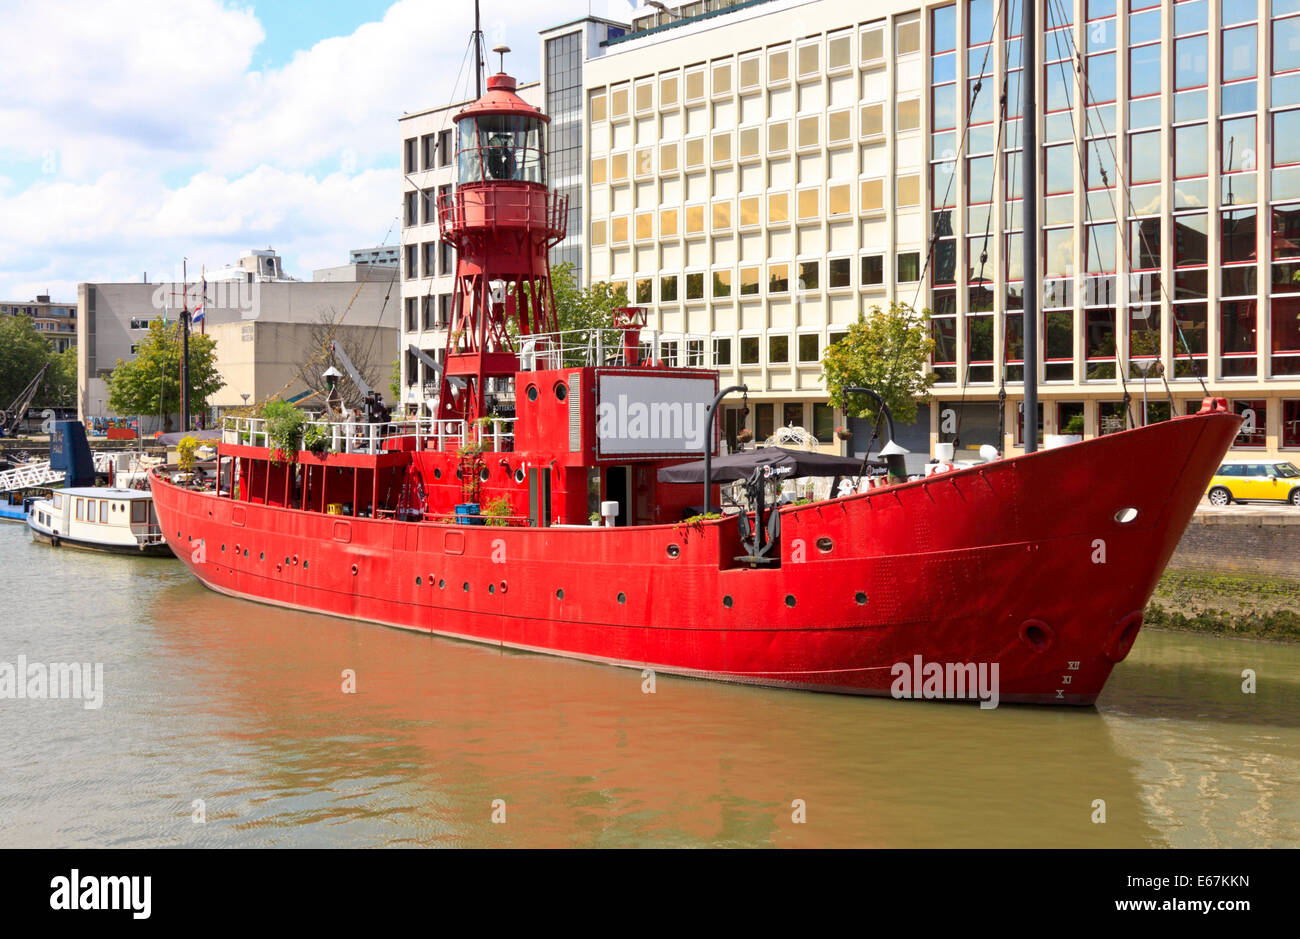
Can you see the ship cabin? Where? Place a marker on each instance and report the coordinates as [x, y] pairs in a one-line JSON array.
[[576, 437]]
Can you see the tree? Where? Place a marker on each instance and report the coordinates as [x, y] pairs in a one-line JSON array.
[[579, 308], [59, 389], [395, 381], [320, 358], [150, 383], [23, 351], [888, 352]]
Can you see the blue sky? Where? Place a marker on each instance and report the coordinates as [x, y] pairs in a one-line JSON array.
[[134, 133]]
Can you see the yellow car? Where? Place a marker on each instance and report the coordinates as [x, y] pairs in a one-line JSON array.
[[1255, 481]]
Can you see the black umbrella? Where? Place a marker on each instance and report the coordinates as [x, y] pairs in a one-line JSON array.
[[778, 462]]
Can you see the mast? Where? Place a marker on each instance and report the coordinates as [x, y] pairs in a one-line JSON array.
[[478, 55], [185, 346], [1029, 143]]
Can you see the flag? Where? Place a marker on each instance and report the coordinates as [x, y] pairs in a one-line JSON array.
[[198, 314]]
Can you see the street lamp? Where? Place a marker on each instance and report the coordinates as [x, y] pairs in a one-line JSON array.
[[708, 438]]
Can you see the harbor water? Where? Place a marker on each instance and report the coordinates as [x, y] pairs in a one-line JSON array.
[[227, 723]]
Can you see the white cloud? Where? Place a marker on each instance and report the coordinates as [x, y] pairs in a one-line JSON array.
[[133, 132]]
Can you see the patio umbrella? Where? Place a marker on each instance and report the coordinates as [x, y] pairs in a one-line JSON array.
[[778, 462]]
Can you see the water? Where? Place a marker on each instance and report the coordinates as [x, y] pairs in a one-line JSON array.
[[240, 705]]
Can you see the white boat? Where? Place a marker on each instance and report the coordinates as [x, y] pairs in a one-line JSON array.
[[121, 521]]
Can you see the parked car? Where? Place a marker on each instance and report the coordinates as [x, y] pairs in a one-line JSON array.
[[1255, 481]]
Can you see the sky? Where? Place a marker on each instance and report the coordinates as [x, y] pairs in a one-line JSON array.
[[136, 133]]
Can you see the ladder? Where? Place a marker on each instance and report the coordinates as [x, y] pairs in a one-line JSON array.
[[35, 475]]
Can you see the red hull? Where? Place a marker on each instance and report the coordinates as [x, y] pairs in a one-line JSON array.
[[1020, 562]]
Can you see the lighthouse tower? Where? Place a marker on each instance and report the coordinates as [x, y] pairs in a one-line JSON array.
[[503, 219]]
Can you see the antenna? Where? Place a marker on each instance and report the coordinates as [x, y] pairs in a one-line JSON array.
[[1029, 138], [501, 50], [478, 55]]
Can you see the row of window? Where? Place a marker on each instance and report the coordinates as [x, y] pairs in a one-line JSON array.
[[432, 259], [729, 75], [428, 312], [431, 151]]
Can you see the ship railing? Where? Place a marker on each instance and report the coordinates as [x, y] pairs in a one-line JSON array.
[[425, 433], [147, 534], [572, 348]]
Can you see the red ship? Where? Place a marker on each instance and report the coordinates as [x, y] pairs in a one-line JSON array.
[[475, 524]]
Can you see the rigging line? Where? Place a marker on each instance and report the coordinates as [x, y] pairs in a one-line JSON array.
[[952, 178], [969, 106], [1088, 103], [984, 248]]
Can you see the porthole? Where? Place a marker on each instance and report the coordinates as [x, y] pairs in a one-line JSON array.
[[559, 594], [460, 474], [520, 475], [465, 586], [727, 601], [824, 545], [622, 597], [437, 473], [789, 600], [354, 570], [532, 392], [261, 555], [442, 585], [304, 564], [418, 581], [561, 391], [673, 550], [492, 588], [223, 549], [483, 474], [1126, 515], [860, 598]]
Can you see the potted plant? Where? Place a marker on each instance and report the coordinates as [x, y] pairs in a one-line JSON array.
[[497, 512], [316, 440], [594, 518], [843, 433], [744, 435]]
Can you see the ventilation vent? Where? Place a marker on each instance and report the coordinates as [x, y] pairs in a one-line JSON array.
[[575, 414]]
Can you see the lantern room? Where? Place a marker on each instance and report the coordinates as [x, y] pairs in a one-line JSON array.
[[501, 138]]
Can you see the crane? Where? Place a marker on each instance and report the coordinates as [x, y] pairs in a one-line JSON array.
[[12, 416]]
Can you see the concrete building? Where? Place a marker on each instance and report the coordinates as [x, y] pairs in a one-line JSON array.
[[384, 254], [56, 321], [265, 331], [255, 266]]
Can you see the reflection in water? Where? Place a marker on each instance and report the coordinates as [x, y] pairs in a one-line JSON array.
[[241, 706]]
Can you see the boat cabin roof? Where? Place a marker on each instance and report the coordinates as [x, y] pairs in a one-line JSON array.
[[100, 492]]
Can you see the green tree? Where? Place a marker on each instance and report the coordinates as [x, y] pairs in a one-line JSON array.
[[395, 382], [150, 384], [59, 389], [886, 351], [23, 351], [584, 308]]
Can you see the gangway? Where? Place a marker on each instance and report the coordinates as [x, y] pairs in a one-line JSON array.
[[38, 475]]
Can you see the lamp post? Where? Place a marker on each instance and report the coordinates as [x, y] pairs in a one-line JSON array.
[[894, 454], [708, 439]]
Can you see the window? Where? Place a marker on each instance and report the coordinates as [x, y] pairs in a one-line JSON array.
[[618, 230], [909, 267], [668, 288], [778, 208], [778, 66], [597, 106], [908, 37], [809, 59], [873, 269], [749, 78], [838, 200], [809, 204], [872, 119], [907, 190], [721, 284], [749, 281], [837, 53], [644, 226], [748, 143], [695, 85], [695, 286], [618, 168], [722, 216], [837, 127], [618, 103], [909, 115], [839, 272], [668, 158], [778, 350], [872, 45], [809, 131], [872, 195], [668, 223], [809, 275], [749, 350], [695, 153], [778, 137], [721, 352], [668, 92], [749, 212], [722, 78], [1254, 415], [645, 97], [722, 148], [695, 220], [598, 233], [778, 278]]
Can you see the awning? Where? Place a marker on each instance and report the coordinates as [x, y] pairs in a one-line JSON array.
[[783, 463]]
